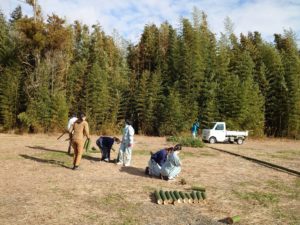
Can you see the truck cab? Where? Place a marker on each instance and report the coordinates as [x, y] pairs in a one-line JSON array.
[[217, 132]]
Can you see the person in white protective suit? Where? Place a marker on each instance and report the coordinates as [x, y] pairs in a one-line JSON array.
[[124, 157]]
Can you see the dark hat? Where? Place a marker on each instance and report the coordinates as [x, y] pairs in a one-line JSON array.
[[128, 121], [177, 147], [81, 115]]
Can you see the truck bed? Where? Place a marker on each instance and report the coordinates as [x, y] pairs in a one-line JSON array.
[[236, 133]]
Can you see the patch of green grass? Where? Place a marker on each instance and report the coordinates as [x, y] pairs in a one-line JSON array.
[[286, 154], [125, 209], [186, 141], [112, 199], [187, 154], [208, 154], [59, 157], [149, 189], [291, 191], [288, 216], [141, 152], [262, 198], [55, 155]]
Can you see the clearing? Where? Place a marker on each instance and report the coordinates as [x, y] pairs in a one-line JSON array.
[[37, 186]]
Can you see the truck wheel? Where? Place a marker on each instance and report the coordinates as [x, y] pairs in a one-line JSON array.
[[240, 141], [212, 140]]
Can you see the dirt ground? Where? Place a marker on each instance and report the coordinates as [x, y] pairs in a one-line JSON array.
[[38, 187]]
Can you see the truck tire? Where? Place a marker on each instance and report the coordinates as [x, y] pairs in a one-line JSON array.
[[212, 140], [240, 141]]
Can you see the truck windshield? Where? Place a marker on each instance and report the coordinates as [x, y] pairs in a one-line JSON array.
[[211, 125]]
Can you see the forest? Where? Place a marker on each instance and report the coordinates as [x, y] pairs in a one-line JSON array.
[[169, 78]]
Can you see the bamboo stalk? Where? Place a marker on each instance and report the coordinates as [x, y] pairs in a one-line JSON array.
[[170, 200], [158, 198], [185, 200], [203, 194], [176, 194], [198, 188], [88, 145], [175, 200], [189, 198], [163, 197], [194, 197], [85, 144], [199, 196]]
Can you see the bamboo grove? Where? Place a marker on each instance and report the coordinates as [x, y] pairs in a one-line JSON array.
[[172, 76]]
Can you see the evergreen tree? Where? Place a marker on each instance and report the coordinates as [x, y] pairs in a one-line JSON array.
[[172, 118], [276, 94]]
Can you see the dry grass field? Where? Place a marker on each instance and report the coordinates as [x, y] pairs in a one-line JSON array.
[[38, 187]]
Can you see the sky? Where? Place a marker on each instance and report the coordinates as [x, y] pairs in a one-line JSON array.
[[128, 17]]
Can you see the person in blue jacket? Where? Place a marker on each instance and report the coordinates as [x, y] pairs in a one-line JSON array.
[[172, 167], [195, 128], [156, 161], [105, 144]]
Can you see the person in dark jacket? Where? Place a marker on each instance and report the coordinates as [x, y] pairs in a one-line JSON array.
[[105, 144], [156, 161]]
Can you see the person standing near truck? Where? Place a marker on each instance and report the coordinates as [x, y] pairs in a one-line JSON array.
[[78, 130], [195, 128]]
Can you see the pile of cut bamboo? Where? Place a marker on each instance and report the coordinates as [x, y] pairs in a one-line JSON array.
[[177, 197]]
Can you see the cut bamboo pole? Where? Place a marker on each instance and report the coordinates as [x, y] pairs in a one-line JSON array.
[[163, 197], [170, 200], [189, 198], [175, 200], [85, 144], [158, 198], [194, 197], [199, 196], [185, 200], [177, 195], [198, 188], [203, 194], [234, 219], [88, 145]]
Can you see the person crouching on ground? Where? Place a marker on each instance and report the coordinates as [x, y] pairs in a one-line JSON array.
[[124, 157], [78, 130], [105, 144], [156, 161], [172, 167]]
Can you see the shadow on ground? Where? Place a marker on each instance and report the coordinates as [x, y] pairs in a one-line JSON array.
[[133, 170], [48, 161], [88, 157]]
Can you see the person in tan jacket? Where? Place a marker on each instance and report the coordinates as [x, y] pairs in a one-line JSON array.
[[79, 129]]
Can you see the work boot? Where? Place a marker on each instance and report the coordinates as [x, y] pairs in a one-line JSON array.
[[75, 168], [147, 171], [164, 177]]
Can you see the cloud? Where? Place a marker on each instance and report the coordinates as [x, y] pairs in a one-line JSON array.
[[129, 17]]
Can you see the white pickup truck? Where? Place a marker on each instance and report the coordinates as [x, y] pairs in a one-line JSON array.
[[218, 133]]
